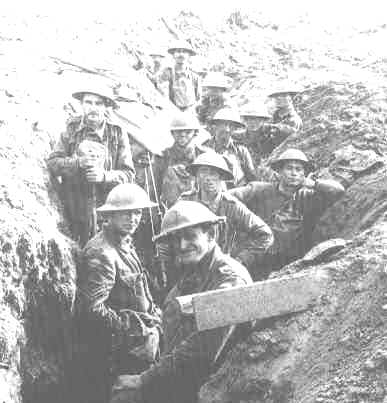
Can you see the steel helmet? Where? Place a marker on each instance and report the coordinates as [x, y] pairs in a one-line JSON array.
[[126, 196], [288, 89], [186, 214], [228, 115], [216, 79], [213, 160], [292, 154], [157, 52], [96, 89], [185, 121], [256, 110], [181, 44]]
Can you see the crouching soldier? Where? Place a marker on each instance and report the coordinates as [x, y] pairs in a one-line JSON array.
[[117, 320], [190, 356], [91, 157], [291, 207]]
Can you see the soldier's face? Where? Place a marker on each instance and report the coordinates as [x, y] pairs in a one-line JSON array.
[[125, 222], [209, 180], [292, 173], [94, 108], [191, 244], [181, 56], [183, 137], [222, 131]]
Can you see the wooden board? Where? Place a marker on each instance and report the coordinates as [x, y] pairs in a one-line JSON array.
[[260, 300]]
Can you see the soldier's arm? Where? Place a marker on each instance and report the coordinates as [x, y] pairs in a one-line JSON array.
[[187, 367], [260, 236], [245, 193], [247, 164], [60, 162], [124, 171], [94, 290]]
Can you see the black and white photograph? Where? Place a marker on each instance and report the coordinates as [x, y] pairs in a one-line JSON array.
[[193, 201]]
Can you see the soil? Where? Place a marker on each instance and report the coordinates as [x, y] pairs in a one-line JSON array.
[[335, 351]]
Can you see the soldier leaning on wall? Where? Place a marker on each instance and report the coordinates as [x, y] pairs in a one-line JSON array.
[[118, 324], [91, 157], [291, 207]]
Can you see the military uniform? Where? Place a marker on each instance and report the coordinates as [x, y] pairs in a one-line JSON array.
[[241, 164], [183, 87], [171, 176], [190, 356], [244, 235], [291, 218], [117, 320], [76, 191]]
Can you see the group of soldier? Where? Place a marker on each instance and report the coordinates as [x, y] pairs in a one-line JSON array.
[[193, 219]]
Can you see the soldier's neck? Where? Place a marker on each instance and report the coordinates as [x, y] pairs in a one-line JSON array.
[[286, 189]]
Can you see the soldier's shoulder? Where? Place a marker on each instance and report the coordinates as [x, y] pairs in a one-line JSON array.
[[230, 269], [189, 195], [97, 247]]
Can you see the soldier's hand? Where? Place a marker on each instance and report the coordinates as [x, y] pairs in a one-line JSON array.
[[94, 175], [310, 181]]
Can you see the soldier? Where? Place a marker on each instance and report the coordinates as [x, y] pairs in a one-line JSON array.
[[215, 96], [171, 176], [118, 322], [92, 156], [256, 117], [244, 235], [155, 72], [223, 125], [291, 207], [286, 120], [184, 84], [190, 356]]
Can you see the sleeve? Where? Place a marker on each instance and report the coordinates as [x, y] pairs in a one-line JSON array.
[[260, 236], [198, 88], [243, 193], [186, 368], [60, 162], [124, 170], [247, 164], [94, 292]]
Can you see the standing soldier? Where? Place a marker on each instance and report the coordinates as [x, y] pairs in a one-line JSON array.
[[184, 84], [118, 321], [223, 125], [91, 157], [156, 70], [291, 207], [215, 96], [256, 117], [286, 120], [190, 356], [171, 175]]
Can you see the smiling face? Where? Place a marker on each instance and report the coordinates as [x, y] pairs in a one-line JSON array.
[[94, 109], [209, 180], [292, 173], [125, 222], [192, 244]]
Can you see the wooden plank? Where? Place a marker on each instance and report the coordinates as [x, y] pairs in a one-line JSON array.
[[260, 300]]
